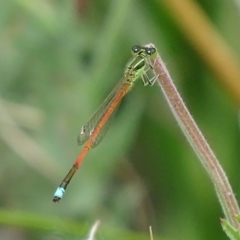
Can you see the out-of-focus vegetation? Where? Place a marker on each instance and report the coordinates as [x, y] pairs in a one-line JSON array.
[[58, 60]]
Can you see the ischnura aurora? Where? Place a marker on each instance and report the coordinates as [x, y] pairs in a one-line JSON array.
[[95, 129]]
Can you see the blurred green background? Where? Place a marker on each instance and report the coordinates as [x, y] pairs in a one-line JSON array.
[[58, 61]]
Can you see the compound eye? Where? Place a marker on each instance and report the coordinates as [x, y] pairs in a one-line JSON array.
[[150, 51], [136, 49]]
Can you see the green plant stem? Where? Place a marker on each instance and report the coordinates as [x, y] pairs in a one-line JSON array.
[[197, 141], [43, 223]]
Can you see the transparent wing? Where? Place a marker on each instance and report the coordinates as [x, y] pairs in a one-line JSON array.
[[101, 135], [86, 130], [104, 129]]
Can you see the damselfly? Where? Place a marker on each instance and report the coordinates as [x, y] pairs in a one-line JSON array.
[[95, 129]]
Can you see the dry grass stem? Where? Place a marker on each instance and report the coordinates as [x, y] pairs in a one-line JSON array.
[[197, 141]]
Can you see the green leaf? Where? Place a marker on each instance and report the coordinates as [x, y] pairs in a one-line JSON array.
[[231, 232]]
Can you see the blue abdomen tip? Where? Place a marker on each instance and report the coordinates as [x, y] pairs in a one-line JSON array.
[[59, 192]]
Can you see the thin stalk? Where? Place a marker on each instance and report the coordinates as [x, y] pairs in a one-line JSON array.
[[197, 141]]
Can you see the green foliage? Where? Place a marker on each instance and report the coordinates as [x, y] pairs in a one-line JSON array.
[[58, 61], [231, 232]]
